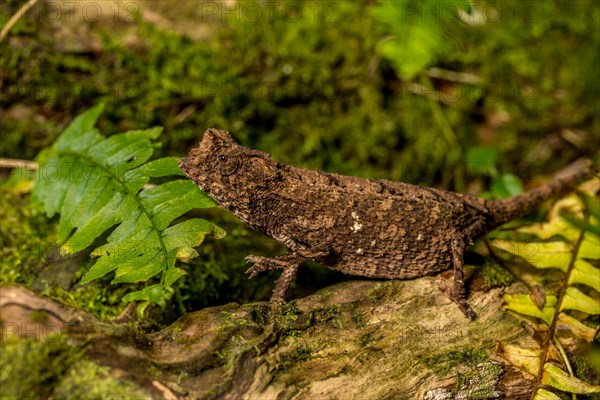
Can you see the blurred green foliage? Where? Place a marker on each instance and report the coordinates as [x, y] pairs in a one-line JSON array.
[[50, 360], [451, 94], [418, 32], [53, 368], [304, 80], [30, 256], [24, 239]]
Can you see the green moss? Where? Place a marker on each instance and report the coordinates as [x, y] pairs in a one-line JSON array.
[[290, 311], [365, 339], [34, 370], [292, 322], [494, 275], [357, 317], [29, 256], [292, 358], [379, 290], [583, 367], [174, 332], [231, 323], [478, 383], [100, 298], [291, 333], [476, 376], [39, 316], [236, 346], [227, 357], [443, 363], [260, 314], [90, 381], [331, 313], [25, 237]]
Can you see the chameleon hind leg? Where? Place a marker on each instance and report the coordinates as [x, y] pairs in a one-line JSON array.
[[458, 246], [457, 292]]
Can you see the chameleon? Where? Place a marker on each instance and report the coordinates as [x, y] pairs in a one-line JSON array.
[[365, 227]]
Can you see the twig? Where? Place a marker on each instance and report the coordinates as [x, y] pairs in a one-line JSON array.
[[13, 163], [33, 166], [565, 358], [431, 94], [15, 18], [453, 76]]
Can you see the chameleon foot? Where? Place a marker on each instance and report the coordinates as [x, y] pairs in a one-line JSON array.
[[263, 264], [289, 263]]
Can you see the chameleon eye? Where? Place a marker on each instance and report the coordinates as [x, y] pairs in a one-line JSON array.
[[226, 163]]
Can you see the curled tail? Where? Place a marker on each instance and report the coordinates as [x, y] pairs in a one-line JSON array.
[[564, 181]]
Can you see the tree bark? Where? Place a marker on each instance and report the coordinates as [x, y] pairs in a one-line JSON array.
[[353, 340]]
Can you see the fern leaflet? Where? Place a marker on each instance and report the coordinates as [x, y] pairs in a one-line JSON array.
[[95, 183], [572, 245]]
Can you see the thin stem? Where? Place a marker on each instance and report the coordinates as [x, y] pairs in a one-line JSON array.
[[560, 297], [14, 163], [454, 76], [563, 354], [15, 18]]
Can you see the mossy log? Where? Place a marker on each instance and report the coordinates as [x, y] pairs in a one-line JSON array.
[[353, 340]]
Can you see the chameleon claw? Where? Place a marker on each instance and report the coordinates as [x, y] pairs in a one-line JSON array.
[[261, 264], [252, 272], [255, 269]]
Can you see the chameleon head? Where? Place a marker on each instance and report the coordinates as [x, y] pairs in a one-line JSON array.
[[226, 171]]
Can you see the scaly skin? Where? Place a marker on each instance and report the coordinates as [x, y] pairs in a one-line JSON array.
[[364, 227]]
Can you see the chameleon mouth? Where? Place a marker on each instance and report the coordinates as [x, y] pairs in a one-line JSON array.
[[184, 165]]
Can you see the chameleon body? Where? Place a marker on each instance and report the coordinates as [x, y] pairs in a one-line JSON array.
[[364, 227]]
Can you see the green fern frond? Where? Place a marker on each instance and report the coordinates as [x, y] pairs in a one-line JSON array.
[[95, 183], [572, 246]]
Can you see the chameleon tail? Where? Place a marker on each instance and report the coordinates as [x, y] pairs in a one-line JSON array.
[[564, 181]]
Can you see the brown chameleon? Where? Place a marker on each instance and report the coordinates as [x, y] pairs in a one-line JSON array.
[[365, 227]]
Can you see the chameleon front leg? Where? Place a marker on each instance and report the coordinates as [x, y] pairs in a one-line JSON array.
[[289, 263]]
